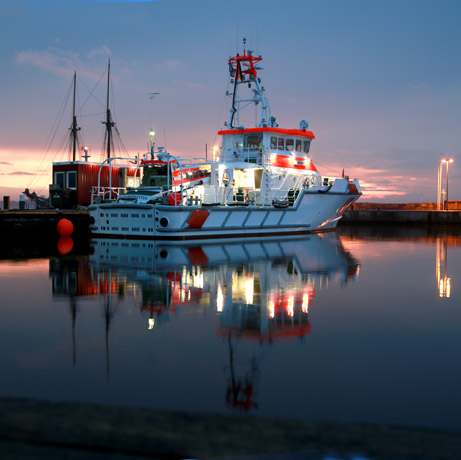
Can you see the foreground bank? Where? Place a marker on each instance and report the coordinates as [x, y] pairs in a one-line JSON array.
[[43, 429]]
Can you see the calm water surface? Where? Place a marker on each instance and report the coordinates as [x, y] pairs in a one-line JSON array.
[[358, 325]]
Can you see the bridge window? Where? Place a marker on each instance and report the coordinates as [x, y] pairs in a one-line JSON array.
[[195, 174], [306, 146], [298, 145], [253, 140], [273, 142], [290, 145], [281, 143]]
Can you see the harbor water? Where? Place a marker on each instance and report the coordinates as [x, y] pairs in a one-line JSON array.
[[357, 325]]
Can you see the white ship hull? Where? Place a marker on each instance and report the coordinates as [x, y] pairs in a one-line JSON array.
[[312, 212]]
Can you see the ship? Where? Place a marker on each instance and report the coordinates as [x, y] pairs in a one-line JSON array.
[[260, 182]]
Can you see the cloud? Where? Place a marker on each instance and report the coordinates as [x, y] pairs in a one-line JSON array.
[[17, 173], [6, 163], [103, 51], [168, 66], [65, 62]]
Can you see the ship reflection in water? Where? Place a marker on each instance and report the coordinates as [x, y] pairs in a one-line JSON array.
[[283, 328], [260, 291]]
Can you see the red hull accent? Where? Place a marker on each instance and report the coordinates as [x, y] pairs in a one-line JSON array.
[[198, 218]]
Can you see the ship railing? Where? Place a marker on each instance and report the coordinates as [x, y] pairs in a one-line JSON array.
[[101, 194], [244, 196]]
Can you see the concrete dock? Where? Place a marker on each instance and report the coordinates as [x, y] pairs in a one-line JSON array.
[[401, 217], [41, 222]]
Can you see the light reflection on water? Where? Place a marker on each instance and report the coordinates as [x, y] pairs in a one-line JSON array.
[[358, 327]]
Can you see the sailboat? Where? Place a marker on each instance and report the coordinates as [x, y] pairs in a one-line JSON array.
[[74, 180]]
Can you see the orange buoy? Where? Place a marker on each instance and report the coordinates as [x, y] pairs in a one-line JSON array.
[[65, 245], [65, 227]]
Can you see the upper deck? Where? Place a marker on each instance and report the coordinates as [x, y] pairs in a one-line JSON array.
[[250, 144]]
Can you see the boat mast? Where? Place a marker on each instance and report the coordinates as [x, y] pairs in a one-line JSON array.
[[109, 123], [244, 69], [74, 128]]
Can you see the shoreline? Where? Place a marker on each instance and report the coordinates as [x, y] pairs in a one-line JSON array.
[[64, 428]]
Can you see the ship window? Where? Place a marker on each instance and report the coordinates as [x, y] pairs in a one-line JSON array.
[[298, 145], [59, 179], [290, 145], [307, 144], [188, 175], [195, 174], [253, 141], [281, 143], [72, 179], [273, 142]]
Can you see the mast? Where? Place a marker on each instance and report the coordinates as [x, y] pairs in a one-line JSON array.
[[244, 69], [109, 124], [74, 128]]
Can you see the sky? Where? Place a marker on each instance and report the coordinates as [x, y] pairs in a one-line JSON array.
[[378, 81]]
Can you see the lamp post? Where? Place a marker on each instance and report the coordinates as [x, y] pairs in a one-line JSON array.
[[439, 184], [151, 134], [447, 161]]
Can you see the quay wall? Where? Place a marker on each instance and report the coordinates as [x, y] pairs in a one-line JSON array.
[[37, 224], [364, 206], [401, 217]]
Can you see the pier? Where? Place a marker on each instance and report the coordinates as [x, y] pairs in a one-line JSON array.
[[40, 223], [401, 217], [418, 214]]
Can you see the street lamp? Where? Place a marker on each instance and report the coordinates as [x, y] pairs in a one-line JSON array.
[[152, 134], [447, 161]]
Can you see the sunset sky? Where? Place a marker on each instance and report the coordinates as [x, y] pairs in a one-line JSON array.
[[379, 82]]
